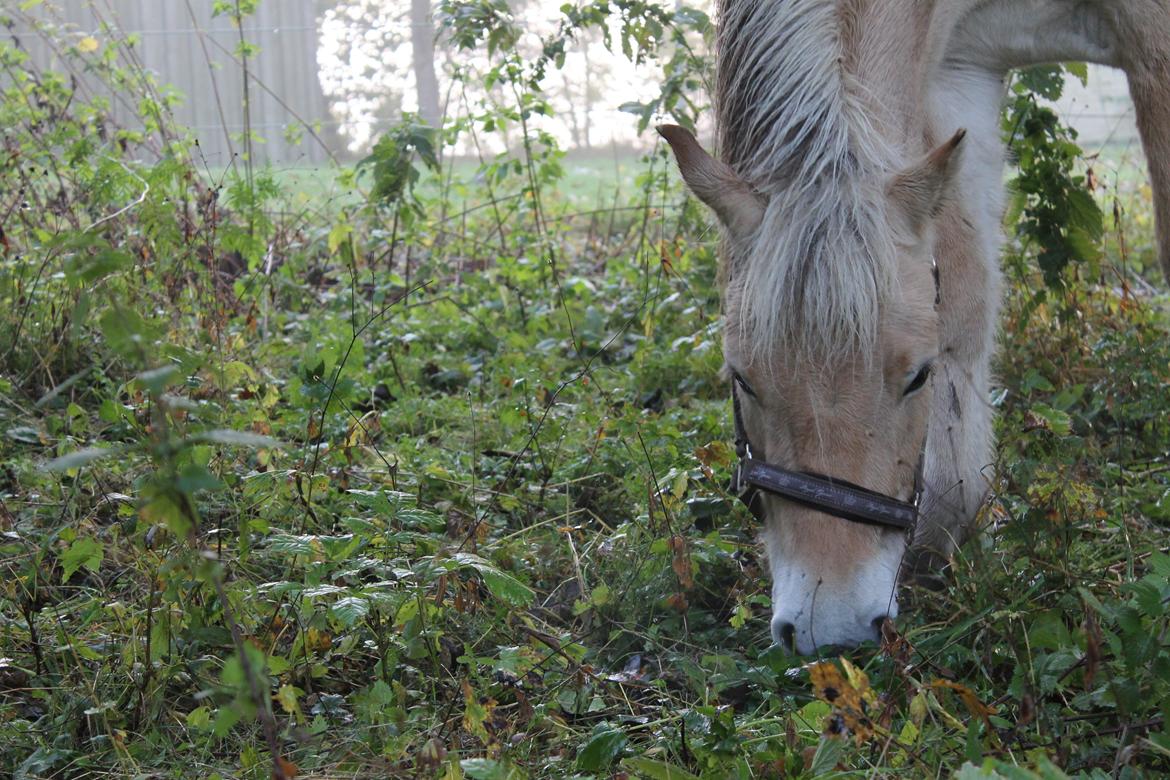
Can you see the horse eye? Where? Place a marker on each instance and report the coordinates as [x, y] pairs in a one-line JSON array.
[[919, 380]]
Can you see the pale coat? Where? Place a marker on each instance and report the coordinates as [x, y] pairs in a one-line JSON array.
[[837, 187]]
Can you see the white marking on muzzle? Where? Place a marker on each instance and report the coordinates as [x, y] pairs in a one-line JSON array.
[[814, 608]]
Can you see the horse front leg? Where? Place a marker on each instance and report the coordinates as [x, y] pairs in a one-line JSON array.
[[1133, 35], [960, 446], [1144, 31]]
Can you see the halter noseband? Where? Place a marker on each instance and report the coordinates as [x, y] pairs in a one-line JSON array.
[[825, 494]]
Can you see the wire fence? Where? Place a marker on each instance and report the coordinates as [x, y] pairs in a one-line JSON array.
[[198, 54], [292, 120], [1101, 111]]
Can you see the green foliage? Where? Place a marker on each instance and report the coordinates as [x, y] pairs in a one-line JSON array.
[[391, 166], [432, 484], [1055, 214]]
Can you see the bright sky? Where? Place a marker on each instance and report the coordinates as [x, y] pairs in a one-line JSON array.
[[357, 62], [361, 62]]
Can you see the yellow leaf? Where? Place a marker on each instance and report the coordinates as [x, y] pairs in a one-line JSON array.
[[828, 684], [87, 44], [859, 680], [850, 710], [681, 562], [918, 708], [977, 708], [476, 714], [454, 770], [318, 640], [287, 698]]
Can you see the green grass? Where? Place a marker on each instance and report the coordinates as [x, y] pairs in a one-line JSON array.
[[592, 181]]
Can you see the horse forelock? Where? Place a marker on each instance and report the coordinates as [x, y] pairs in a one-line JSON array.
[[792, 123], [812, 281]]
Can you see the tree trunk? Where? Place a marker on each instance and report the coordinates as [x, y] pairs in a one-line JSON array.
[[588, 101], [422, 39]]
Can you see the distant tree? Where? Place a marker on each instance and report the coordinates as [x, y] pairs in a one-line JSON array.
[[365, 60], [422, 39]]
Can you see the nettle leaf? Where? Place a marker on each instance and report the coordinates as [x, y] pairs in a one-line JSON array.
[[194, 478], [1080, 70], [350, 610], [87, 269], [421, 519], [236, 438], [75, 460], [87, 552], [164, 508], [1055, 420], [601, 750], [321, 590], [128, 333], [1160, 563], [199, 718], [489, 769], [281, 589], [657, 770], [827, 756], [25, 434], [295, 545], [225, 719], [503, 586], [156, 380]]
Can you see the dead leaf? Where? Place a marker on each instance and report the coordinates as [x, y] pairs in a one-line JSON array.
[[850, 697], [288, 770], [318, 640], [716, 453], [476, 714], [970, 700], [896, 646], [1027, 711], [860, 681], [681, 562], [432, 754], [1092, 648]]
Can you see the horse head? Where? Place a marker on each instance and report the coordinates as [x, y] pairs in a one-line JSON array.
[[836, 384]]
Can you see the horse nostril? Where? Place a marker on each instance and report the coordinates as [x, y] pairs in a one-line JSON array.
[[786, 633], [878, 624]]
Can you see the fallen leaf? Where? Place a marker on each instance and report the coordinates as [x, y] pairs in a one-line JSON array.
[[681, 562], [850, 697], [970, 700], [288, 769]]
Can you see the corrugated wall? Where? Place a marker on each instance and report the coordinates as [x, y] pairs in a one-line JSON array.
[[186, 47]]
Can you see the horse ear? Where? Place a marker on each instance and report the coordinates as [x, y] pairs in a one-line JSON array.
[[921, 191], [737, 205]]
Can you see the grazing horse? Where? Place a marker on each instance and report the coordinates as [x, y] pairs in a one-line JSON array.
[[860, 187]]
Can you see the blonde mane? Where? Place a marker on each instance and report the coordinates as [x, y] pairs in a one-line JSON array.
[[794, 124]]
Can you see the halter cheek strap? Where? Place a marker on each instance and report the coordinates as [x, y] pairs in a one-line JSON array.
[[825, 494]]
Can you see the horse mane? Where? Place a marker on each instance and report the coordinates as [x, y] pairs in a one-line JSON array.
[[794, 123]]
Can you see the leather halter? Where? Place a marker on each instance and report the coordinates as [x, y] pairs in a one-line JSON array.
[[830, 495], [825, 494]]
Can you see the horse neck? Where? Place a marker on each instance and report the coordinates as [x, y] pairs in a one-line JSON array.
[[816, 80], [887, 52]]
